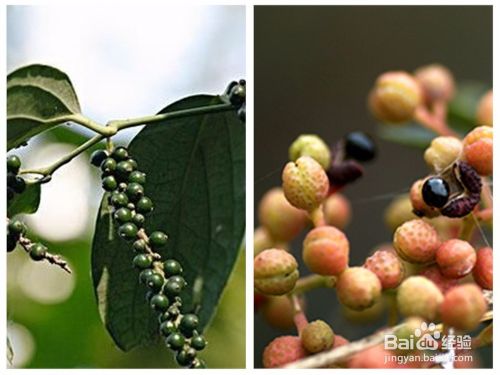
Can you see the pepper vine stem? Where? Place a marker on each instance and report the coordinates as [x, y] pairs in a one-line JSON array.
[[115, 126]]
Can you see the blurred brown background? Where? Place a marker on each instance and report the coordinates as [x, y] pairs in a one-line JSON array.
[[314, 66]]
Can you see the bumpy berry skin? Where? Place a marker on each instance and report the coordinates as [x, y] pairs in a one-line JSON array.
[[442, 282], [358, 288], [305, 183], [416, 241], [437, 83], [418, 296], [478, 150], [420, 208], [483, 270], [442, 152], [337, 210], [326, 251], [282, 220], [395, 97], [317, 336], [275, 272], [484, 114], [38, 251], [455, 258], [463, 307], [313, 146], [388, 268], [13, 164], [283, 350], [278, 311]]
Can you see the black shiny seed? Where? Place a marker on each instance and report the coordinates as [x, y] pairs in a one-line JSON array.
[[359, 146], [435, 192]]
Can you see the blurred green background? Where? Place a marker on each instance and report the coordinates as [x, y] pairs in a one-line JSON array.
[[117, 71]]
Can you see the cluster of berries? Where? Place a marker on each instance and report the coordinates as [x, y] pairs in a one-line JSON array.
[[15, 183], [124, 184], [236, 93], [433, 274]]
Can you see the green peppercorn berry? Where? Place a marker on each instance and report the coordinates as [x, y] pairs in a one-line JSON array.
[[131, 206], [119, 154], [179, 280], [123, 170], [172, 267], [123, 215], [172, 288], [139, 246], [11, 179], [198, 342], [134, 191], [142, 261], [128, 231], [133, 162], [11, 243], [16, 228], [108, 165], [159, 302], [158, 239], [155, 282], [38, 251], [165, 316], [198, 363], [189, 323], [138, 177], [119, 199], [122, 186], [19, 185], [139, 220], [109, 183], [237, 95], [175, 341], [184, 358], [13, 163], [144, 205], [97, 157], [167, 327], [144, 275]]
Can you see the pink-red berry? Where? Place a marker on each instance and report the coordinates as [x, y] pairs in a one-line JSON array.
[[275, 272], [305, 183], [388, 268], [478, 149], [283, 350], [421, 208], [463, 307], [374, 357], [278, 311], [317, 336], [416, 241], [418, 296], [283, 221], [483, 270], [326, 251], [261, 240], [358, 288], [437, 82], [455, 258], [337, 210], [442, 282]]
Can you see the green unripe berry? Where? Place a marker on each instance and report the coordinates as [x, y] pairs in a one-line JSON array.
[[123, 215], [38, 251], [165, 316], [145, 274], [159, 302], [133, 163], [16, 228], [175, 341], [155, 282], [142, 261], [182, 359], [172, 267], [109, 183], [158, 239], [172, 288], [179, 280], [313, 146], [123, 170], [138, 177], [119, 154], [119, 199], [97, 157], [139, 220], [13, 163], [189, 323], [19, 185], [11, 243], [134, 191], [131, 206], [139, 246], [128, 231], [144, 205], [108, 165], [198, 342], [167, 327]]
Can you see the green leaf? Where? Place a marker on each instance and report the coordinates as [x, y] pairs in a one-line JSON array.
[[27, 202], [38, 97], [462, 109], [195, 170], [410, 134]]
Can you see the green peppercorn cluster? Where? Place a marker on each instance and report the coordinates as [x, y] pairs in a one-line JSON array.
[[236, 93], [15, 183], [163, 279]]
